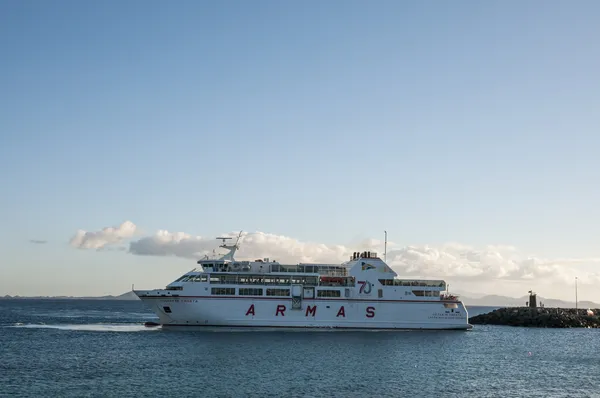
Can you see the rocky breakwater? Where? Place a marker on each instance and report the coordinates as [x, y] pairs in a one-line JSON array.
[[540, 317]]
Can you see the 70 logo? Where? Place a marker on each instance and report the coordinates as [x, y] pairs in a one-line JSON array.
[[365, 287]]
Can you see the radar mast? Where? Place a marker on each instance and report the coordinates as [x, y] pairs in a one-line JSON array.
[[232, 248]]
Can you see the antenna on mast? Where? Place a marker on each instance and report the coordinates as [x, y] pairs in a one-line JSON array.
[[385, 248], [238, 238]]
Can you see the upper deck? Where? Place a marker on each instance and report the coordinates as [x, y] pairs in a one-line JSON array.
[[264, 266], [361, 265]]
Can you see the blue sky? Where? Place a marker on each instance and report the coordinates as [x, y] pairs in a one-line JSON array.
[[471, 122]]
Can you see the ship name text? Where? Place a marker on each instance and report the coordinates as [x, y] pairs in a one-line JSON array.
[[311, 310]]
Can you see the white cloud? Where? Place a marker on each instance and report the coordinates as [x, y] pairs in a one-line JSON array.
[[452, 260], [165, 243], [491, 262], [101, 239], [286, 249], [253, 245]]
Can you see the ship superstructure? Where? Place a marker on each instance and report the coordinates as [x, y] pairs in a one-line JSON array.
[[360, 293]]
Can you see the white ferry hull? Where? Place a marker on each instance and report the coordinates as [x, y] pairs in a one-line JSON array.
[[188, 312], [361, 293]]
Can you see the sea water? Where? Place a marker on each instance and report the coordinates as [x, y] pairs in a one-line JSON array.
[[93, 348]]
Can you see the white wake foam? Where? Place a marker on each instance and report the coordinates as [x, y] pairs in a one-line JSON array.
[[96, 327]]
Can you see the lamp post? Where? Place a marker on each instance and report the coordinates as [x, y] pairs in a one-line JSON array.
[[576, 304]]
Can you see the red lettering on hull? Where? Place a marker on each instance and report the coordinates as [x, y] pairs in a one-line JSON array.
[[311, 310], [250, 310], [370, 312], [341, 312], [280, 308]]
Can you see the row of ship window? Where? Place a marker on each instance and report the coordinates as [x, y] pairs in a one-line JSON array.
[[423, 293], [329, 269], [400, 282], [295, 279], [230, 291], [256, 279]]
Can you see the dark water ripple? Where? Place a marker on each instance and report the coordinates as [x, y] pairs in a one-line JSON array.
[[64, 348]]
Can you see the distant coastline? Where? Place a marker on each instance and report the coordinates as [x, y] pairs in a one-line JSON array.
[[124, 296], [503, 301], [485, 301]]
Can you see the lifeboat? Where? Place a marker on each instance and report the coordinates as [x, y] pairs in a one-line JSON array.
[[332, 279]]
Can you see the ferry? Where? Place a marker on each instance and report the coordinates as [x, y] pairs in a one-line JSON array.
[[362, 293]]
